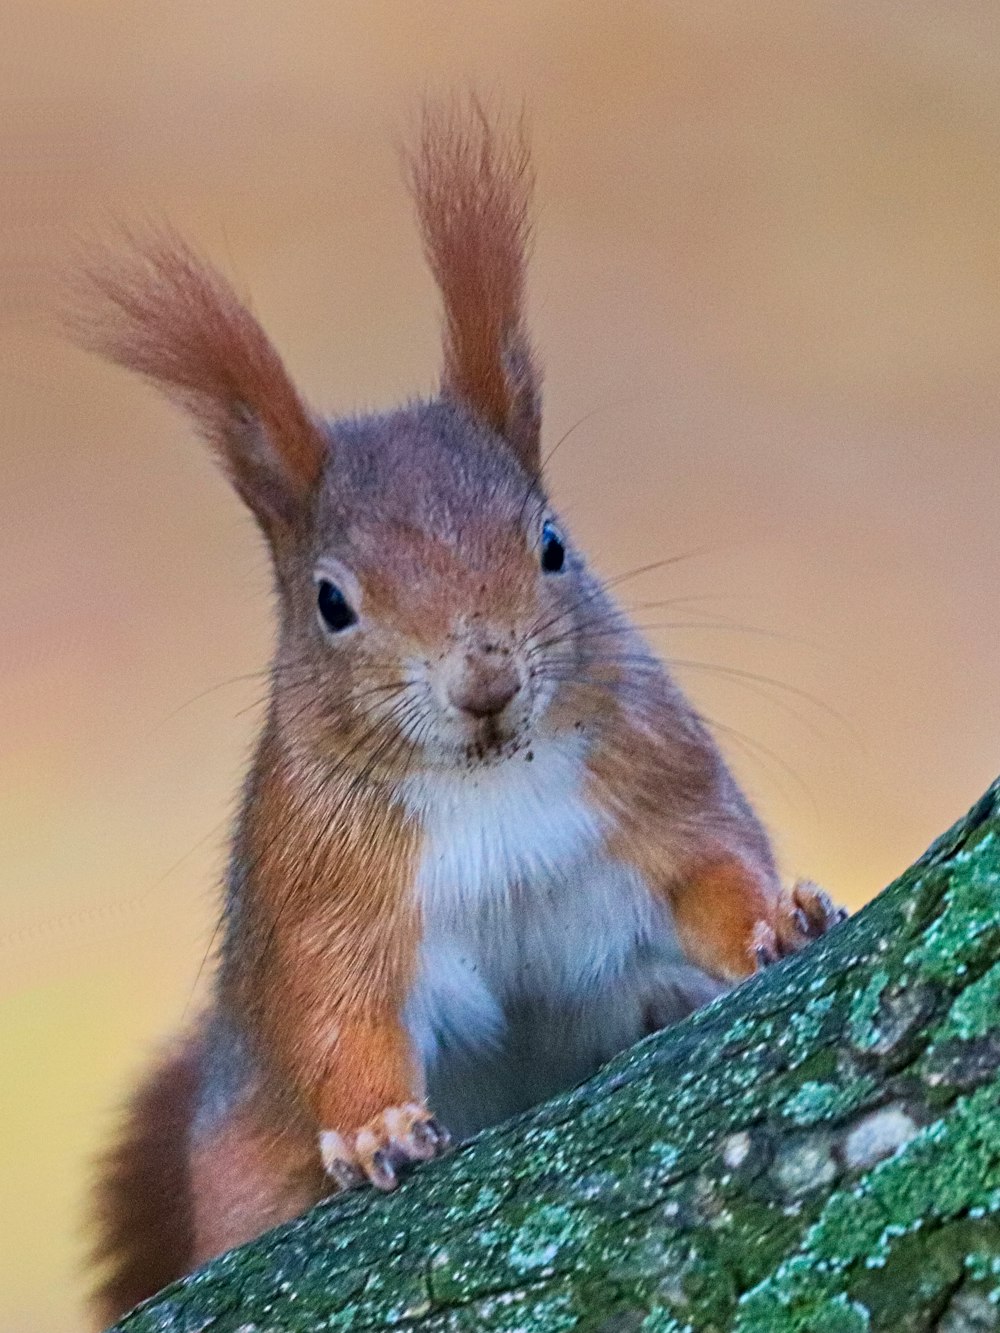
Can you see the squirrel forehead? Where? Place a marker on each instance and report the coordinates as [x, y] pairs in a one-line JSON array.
[[428, 472]]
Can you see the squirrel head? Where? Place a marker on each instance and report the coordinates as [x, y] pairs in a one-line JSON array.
[[433, 610]]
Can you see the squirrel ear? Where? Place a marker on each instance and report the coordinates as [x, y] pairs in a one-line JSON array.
[[472, 185], [163, 312]]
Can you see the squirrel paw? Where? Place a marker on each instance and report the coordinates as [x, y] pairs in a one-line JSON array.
[[376, 1152], [803, 914]]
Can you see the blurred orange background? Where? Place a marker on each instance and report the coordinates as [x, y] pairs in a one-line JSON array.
[[767, 267]]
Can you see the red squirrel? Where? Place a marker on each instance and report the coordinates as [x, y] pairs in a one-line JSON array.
[[485, 842]]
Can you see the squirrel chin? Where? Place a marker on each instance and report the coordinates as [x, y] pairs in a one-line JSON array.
[[489, 743], [487, 754], [489, 750]]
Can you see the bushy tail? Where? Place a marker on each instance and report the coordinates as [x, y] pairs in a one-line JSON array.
[[142, 1201]]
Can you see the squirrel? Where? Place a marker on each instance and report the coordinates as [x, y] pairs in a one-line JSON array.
[[485, 842]]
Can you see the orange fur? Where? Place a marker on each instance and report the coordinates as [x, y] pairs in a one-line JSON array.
[[717, 909], [680, 819], [171, 317], [323, 953], [473, 186], [249, 1174]]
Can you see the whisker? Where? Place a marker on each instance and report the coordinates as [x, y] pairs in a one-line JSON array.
[[724, 624], [580, 421], [600, 587], [212, 689], [281, 671], [755, 749], [650, 568], [738, 674], [598, 631]]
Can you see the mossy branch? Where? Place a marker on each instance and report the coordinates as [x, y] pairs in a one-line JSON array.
[[817, 1152]]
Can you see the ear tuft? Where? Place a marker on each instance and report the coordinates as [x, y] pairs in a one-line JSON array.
[[161, 311], [472, 184]]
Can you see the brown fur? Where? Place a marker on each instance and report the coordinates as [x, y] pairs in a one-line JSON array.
[[143, 1203], [473, 191], [172, 318], [680, 819], [430, 521], [247, 1175]]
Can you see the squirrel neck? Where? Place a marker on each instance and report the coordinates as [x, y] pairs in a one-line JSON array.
[[310, 849], [300, 812]]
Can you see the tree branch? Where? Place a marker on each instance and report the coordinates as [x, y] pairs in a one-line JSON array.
[[817, 1152]]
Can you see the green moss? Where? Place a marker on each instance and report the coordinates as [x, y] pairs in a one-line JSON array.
[[908, 1293], [805, 1024], [801, 1307], [814, 1102], [865, 1007], [966, 934], [976, 1011], [698, 1183], [951, 1166], [544, 1236], [662, 1321]]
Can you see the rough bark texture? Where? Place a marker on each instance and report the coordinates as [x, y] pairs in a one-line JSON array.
[[817, 1152]]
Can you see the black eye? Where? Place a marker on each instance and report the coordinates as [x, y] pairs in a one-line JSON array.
[[553, 550], [335, 609]]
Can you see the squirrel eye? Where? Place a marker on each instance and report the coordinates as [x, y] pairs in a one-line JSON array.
[[335, 610], [553, 549]]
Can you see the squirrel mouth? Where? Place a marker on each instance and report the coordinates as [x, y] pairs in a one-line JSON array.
[[492, 742]]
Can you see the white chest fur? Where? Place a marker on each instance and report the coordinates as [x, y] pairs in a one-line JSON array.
[[539, 949]]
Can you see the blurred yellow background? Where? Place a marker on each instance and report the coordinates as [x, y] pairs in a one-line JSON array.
[[767, 265]]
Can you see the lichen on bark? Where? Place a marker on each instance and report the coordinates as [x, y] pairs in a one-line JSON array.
[[816, 1152]]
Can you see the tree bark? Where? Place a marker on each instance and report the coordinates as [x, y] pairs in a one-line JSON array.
[[816, 1152]]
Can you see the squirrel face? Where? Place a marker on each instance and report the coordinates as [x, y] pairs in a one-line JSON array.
[[433, 614], [432, 611]]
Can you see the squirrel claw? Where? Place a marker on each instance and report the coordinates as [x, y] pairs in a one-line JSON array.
[[817, 907], [428, 1139], [345, 1175], [764, 945], [376, 1153], [804, 914], [382, 1171]]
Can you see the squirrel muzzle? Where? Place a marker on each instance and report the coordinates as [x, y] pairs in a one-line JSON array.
[[482, 680]]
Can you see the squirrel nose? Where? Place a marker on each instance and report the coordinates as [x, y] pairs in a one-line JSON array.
[[485, 686]]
